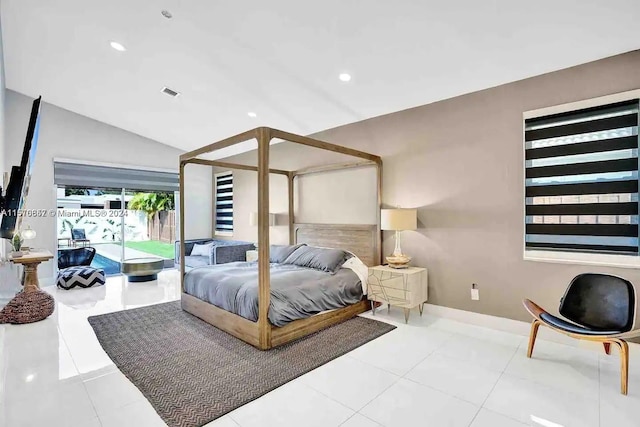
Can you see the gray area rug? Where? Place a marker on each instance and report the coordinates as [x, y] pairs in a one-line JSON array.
[[193, 373]]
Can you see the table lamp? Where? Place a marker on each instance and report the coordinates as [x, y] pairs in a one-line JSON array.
[[398, 220], [253, 221], [28, 234]]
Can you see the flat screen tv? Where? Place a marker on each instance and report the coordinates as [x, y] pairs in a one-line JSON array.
[[18, 187]]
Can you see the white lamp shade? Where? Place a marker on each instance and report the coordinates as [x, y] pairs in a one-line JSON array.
[[253, 219], [28, 233], [399, 219]]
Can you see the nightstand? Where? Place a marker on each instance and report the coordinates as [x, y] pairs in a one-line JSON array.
[[398, 287], [252, 256]]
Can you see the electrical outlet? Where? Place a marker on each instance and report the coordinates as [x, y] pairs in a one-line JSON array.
[[475, 293]]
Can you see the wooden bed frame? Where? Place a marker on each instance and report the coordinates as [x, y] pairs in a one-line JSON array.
[[362, 240]]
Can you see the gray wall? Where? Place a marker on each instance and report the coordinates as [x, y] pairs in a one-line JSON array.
[[460, 162], [64, 134]]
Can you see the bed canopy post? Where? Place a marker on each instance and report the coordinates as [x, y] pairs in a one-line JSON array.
[[264, 293], [292, 237], [379, 213], [182, 251]]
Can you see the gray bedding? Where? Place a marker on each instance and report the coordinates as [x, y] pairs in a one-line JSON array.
[[296, 292]]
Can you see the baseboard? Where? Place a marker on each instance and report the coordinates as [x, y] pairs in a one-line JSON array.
[[506, 325]]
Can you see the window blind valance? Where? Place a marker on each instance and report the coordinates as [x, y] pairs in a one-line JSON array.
[[81, 175]]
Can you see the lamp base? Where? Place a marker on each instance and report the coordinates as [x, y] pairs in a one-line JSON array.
[[398, 261]]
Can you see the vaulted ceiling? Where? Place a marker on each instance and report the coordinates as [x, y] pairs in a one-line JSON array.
[[281, 58]]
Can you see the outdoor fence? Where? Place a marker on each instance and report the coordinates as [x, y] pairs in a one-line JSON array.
[[162, 226]]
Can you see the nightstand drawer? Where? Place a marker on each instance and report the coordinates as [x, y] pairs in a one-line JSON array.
[[406, 287], [382, 294], [403, 287], [394, 282]]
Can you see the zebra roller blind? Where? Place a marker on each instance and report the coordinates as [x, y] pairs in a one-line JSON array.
[[582, 180], [224, 203]]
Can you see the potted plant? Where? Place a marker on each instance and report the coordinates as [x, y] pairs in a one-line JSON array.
[[16, 242]]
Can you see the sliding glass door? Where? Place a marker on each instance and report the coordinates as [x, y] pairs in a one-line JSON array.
[[92, 217], [120, 223]]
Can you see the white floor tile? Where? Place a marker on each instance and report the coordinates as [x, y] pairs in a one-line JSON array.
[[349, 381], [37, 363], [536, 404], [112, 391], [462, 379], [491, 355], [359, 421], [59, 364], [64, 405], [401, 349], [225, 421], [474, 331], [560, 366], [87, 353], [615, 408], [292, 405], [407, 403], [93, 422], [137, 414], [486, 418]]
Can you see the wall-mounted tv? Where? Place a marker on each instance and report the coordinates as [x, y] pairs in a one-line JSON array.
[[18, 186]]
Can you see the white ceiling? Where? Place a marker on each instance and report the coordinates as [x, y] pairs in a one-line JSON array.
[[281, 58]]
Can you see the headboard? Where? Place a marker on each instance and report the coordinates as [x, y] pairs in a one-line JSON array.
[[362, 240]]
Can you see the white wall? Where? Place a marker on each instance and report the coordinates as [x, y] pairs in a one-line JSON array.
[[2, 125], [64, 134], [2, 107]]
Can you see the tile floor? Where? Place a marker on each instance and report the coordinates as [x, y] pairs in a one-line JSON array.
[[431, 372]]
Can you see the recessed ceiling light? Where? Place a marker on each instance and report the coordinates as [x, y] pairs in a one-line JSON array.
[[252, 114], [172, 93], [167, 14], [117, 46], [345, 77]]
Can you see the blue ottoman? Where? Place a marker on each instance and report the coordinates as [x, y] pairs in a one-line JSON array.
[[82, 276]]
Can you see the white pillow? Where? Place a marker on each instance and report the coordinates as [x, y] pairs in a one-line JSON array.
[[201, 250]]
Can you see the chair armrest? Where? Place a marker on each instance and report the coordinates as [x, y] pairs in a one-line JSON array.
[[534, 309]]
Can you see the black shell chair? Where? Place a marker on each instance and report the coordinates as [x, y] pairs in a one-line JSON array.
[[75, 257], [599, 308]]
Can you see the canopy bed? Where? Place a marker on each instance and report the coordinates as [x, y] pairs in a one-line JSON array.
[[361, 240]]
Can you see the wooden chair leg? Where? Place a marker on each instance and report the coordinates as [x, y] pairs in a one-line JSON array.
[[607, 347], [532, 336], [624, 365]]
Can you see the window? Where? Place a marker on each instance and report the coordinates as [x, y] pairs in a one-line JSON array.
[[224, 203], [581, 180]]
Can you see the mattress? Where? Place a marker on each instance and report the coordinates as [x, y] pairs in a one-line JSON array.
[[296, 292]]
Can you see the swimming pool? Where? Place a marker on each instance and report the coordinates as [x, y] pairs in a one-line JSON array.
[[109, 266]]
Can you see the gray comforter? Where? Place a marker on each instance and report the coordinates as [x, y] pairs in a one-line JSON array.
[[296, 292]]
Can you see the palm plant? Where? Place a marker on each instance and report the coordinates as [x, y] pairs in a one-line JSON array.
[[151, 203]]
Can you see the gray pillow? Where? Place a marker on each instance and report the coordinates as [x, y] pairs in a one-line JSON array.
[[323, 259], [279, 253]]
